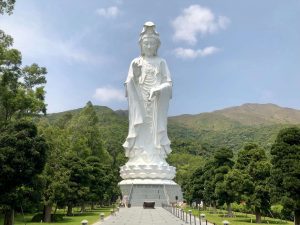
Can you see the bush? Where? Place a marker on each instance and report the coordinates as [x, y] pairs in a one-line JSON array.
[[240, 208], [277, 210]]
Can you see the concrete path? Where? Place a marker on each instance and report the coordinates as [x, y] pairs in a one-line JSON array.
[[140, 216]]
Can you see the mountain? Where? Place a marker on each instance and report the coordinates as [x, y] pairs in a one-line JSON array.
[[202, 133], [106, 115], [261, 114], [244, 115], [232, 127]]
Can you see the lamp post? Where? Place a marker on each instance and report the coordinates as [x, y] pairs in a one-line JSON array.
[[225, 222], [84, 222], [102, 216]]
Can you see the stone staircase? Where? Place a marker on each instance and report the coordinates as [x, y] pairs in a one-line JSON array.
[[141, 193]]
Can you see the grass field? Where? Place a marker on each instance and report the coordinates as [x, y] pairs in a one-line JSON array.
[[238, 219], [91, 215]]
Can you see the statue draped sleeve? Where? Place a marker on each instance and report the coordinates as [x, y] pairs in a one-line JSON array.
[[137, 110]]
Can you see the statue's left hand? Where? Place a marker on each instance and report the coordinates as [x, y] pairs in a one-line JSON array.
[[154, 92]]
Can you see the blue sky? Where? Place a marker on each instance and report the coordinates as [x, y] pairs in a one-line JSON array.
[[220, 53]]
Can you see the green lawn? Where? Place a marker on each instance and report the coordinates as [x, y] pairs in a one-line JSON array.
[[238, 219], [91, 215]]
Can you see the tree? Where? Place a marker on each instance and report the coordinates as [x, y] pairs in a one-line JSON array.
[[97, 174], [254, 167], [7, 6], [22, 157], [186, 165], [223, 164], [22, 96], [78, 182], [85, 135], [286, 170], [201, 185], [78, 161], [195, 186], [21, 89], [103, 181], [207, 183], [238, 184], [55, 175]]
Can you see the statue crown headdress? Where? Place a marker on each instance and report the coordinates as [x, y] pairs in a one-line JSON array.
[[149, 31]]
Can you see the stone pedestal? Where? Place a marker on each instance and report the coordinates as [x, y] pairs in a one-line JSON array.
[[163, 172], [149, 183], [157, 190]]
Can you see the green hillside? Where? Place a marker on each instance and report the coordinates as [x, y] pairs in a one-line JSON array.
[[196, 137], [234, 126], [244, 115], [202, 133]]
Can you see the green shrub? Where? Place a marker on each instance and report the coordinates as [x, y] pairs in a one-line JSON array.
[[239, 208], [277, 210]]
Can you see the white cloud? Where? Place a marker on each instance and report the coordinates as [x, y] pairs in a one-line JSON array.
[[110, 12], [188, 53], [109, 94], [197, 20], [35, 42]]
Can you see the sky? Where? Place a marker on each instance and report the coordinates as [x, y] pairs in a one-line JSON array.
[[220, 53]]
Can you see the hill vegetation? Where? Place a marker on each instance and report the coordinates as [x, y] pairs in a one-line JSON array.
[[200, 134], [233, 127], [196, 137]]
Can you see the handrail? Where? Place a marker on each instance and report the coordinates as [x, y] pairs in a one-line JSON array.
[[130, 194]]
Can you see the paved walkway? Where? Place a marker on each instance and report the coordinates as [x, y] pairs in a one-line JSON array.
[[140, 216]]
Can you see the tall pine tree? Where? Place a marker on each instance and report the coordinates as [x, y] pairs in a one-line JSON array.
[[286, 170]]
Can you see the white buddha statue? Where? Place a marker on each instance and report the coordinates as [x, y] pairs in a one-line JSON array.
[[148, 89]]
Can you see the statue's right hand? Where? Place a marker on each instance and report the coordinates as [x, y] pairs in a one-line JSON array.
[[137, 68]]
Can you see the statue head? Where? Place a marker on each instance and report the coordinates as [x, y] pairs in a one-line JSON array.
[[149, 40]]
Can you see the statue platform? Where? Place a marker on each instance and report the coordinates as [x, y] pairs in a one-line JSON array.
[[154, 190]]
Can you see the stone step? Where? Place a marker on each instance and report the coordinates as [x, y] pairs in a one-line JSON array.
[[141, 194], [137, 194]]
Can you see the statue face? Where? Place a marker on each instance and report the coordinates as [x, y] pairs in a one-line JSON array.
[[149, 46]]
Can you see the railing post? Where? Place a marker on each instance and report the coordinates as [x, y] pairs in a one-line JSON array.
[[200, 217], [190, 213], [186, 220]]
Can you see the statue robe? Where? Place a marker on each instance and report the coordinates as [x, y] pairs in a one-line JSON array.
[[137, 142]]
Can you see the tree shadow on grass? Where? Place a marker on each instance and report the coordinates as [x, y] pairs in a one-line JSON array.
[[66, 220], [248, 220]]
